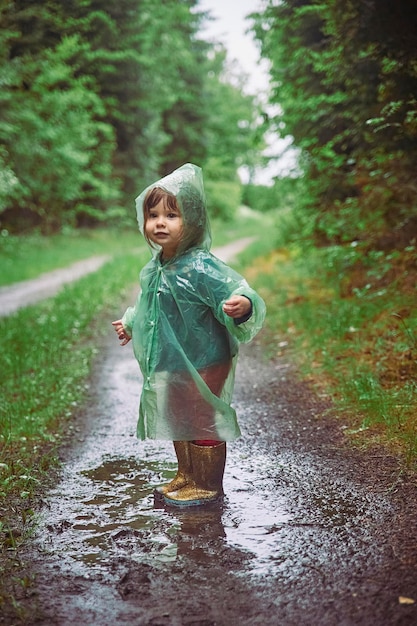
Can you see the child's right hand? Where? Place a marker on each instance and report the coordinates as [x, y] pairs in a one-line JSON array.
[[121, 333], [237, 306]]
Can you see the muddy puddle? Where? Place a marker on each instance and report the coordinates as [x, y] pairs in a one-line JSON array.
[[103, 508]]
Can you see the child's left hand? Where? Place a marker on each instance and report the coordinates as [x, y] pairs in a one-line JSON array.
[[237, 306]]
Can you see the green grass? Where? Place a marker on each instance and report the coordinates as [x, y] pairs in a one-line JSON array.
[[45, 364], [349, 320]]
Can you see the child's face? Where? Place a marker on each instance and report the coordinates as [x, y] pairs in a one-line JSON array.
[[164, 226]]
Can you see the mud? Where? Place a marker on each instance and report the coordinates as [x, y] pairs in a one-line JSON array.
[[311, 531]]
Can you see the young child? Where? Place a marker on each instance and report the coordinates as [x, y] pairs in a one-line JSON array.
[[191, 314]]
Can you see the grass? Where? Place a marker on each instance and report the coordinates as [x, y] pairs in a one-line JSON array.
[[25, 257], [348, 318]]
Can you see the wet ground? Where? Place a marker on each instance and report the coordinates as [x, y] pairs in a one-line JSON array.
[[310, 532]]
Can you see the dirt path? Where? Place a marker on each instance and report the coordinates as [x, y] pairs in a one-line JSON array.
[[311, 532], [19, 295]]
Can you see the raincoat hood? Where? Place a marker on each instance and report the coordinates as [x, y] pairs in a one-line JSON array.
[[186, 184]]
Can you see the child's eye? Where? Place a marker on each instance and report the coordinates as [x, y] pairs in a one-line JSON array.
[[171, 215]]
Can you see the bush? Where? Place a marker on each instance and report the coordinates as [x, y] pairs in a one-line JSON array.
[[223, 198]]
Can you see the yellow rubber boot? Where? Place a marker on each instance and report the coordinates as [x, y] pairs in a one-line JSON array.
[[208, 463], [183, 475]]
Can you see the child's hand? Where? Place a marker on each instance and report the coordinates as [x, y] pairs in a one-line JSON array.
[[237, 306], [121, 333]]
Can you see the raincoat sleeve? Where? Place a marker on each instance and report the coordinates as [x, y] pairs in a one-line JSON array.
[[129, 316], [221, 282], [245, 331]]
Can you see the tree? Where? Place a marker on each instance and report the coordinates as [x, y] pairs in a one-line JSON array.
[[59, 154], [346, 82], [112, 95]]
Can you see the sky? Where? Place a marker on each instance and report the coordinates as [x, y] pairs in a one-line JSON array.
[[230, 28]]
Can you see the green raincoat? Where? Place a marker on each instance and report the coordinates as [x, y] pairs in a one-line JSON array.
[[185, 344]]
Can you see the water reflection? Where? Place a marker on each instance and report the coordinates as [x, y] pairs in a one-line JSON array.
[[109, 515], [113, 515], [200, 531]]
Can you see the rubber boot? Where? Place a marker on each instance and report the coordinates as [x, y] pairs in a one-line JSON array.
[[183, 475], [208, 464]]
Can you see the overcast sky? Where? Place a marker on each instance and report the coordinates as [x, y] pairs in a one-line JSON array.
[[230, 28]]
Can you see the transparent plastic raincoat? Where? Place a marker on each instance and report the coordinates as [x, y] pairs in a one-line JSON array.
[[185, 344]]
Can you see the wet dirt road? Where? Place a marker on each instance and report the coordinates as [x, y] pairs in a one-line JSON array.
[[310, 532]]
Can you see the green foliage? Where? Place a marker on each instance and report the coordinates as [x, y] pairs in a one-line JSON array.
[[223, 198], [346, 82], [61, 155], [284, 193], [100, 98], [234, 129], [223, 190], [347, 316]]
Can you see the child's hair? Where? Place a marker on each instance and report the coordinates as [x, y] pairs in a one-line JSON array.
[[194, 222]]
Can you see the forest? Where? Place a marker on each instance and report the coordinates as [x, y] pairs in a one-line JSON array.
[[345, 77], [99, 98]]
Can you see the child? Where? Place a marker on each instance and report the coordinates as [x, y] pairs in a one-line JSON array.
[[191, 314]]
